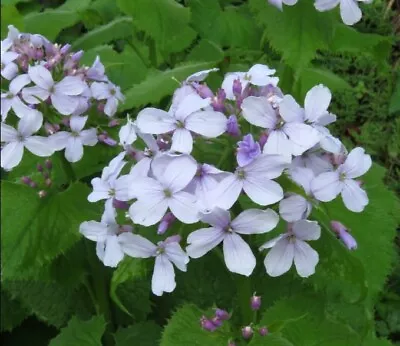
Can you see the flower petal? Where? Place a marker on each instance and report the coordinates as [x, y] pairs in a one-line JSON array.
[[317, 102], [326, 186], [305, 258], [259, 112], [40, 146], [89, 137], [64, 104], [155, 121], [136, 246], [183, 206], [325, 5], [148, 212], [218, 217], [303, 137], [30, 123], [294, 208], [163, 279], [113, 253], [34, 95], [306, 230], [354, 197], [207, 123], [111, 106], [350, 12], [357, 163], [182, 141], [70, 85], [290, 110], [262, 190], [93, 230], [280, 258], [101, 190], [303, 177], [77, 123], [227, 192], [189, 104], [74, 149], [8, 133], [268, 166], [203, 240], [176, 255], [278, 143], [11, 155], [238, 255], [41, 76], [18, 83], [261, 75], [255, 221]]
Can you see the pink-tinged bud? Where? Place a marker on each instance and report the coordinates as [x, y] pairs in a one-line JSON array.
[[263, 331], [100, 107], [113, 123], [65, 121], [46, 175], [104, 138], [26, 180], [216, 321], [77, 56], [173, 239], [203, 90], [165, 223], [247, 332], [50, 128], [207, 324], [231, 343], [222, 314], [263, 139], [33, 185], [232, 126], [48, 182], [218, 102], [42, 193], [255, 302], [120, 204], [65, 49], [338, 159], [164, 142], [39, 167], [237, 88], [125, 228], [342, 233], [48, 164]]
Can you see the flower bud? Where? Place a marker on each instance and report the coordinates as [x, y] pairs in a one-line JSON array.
[[231, 343], [64, 49], [104, 138], [125, 228], [165, 223], [117, 204], [255, 302], [48, 164], [113, 123], [263, 331], [173, 239], [42, 193], [232, 126], [39, 167], [216, 321], [77, 56], [203, 90], [237, 88], [222, 314], [207, 324], [26, 180], [263, 139], [247, 332], [48, 182], [342, 233], [218, 102]]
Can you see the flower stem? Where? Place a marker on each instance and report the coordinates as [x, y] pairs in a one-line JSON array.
[[244, 290]]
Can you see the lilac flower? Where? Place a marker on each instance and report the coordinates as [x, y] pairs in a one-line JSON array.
[[106, 235], [74, 141], [62, 94], [278, 3], [247, 151], [258, 74], [111, 93], [182, 119], [9, 68], [327, 186], [296, 207], [16, 140], [165, 190], [349, 10], [166, 252], [343, 234], [232, 126], [255, 180], [11, 100], [288, 134], [237, 253], [291, 246]]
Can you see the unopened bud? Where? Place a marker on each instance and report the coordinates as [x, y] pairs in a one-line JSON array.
[[113, 123], [117, 204], [263, 139], [232, 126], [255, 302], [64, 50], [104, 138], [77, 56], [231, 343], [125, 228], [247, 332], [218, 102], [222, 314], [26, 180], [165, 223], [173, 239], [100, 107], [216, 321], [207, 324], [342, 233], [203, 90], [33, 185], [48, 164], [42, 193], [237, 88], [263, 331], [39, 167], [48, 182]]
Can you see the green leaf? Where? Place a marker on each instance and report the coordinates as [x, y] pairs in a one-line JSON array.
[[166, 21], [12, 313], [119, 28], [85, 333], [184, 329], [270, 340], [143, 334], [131, 269], [297, 32], [35, 230], [395, 99], [160, 84], [10, 16], [206, 50]]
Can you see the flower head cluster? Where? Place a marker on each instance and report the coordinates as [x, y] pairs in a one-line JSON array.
[[160, 181], [44, 89]]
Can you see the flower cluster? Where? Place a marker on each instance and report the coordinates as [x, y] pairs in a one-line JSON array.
[[349, 10], [157, 182], [46, 92]]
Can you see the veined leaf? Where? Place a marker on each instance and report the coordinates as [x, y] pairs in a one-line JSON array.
[[144, 334]]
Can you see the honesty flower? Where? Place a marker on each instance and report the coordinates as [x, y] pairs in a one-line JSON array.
[[74, 141], [62, 94], [111, 93], [296, 207], [349, 10], [16, 140], [328, 185], [291, 246], [156, 195], [255, 180], [105, 234], [11, 100], [237, 253], [288, 134], [9, 68], [182, 119], [278, 3], [166, 252], [258, 74]]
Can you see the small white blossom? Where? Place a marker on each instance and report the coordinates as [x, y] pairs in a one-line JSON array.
[[9, 68], [111, 93], [349, 10]]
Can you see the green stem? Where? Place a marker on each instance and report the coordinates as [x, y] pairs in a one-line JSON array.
[[69, 171], [244, 289]]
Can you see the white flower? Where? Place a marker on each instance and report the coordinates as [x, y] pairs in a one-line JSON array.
[[127, 133], [11, 100], [62, 94], [96, 71], [9, 68], [166, 252], [16, 140], [156, 195], [12, 37], [349, 10], [200, 76], [255, 180], [296, 207], [74, 141], [111, 93], [278, 3], [288, 134], [314, 159], [105, 234], [237, 253], [259, 75], [328, 185], [182, 119], [291, 246]]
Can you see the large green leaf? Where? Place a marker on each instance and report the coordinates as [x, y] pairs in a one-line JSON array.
[[143, 334], [395, 100], [12, 313], [297, 32], [159, 84], [35, 230], [10, 16], [85, 333]]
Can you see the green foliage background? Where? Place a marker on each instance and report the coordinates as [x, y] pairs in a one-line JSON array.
[[54, 290]]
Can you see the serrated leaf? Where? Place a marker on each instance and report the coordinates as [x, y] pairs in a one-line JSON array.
[[395, 99], [297, 32], [35, 230], [12, 313], [206, 50], [87, 333], [184, 329], [159, 84], [143, 334], [270, 340], [119, 28]]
